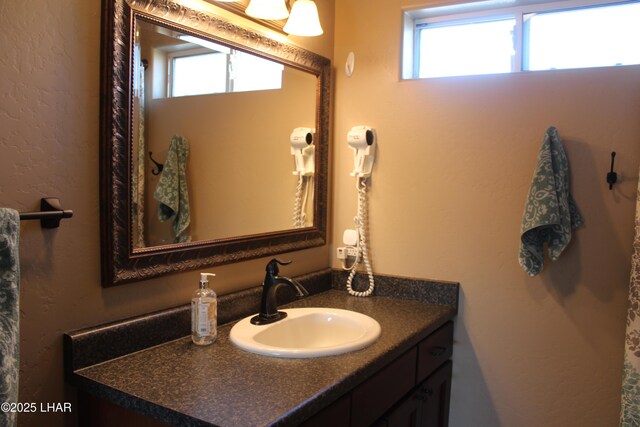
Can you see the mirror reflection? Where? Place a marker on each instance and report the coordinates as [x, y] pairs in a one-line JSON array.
[[223, 141]]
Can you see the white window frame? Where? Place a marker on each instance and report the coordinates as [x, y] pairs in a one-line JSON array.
[[487, 10]]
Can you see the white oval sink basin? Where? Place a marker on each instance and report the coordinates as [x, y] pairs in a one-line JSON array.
[[307, 332]]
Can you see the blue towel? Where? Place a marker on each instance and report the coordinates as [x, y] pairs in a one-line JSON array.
[[172, 191], [9, 311], [550, 212]]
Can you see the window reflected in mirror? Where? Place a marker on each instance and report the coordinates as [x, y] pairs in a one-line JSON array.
[[200, 67]]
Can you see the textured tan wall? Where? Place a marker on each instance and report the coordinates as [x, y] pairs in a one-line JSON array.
[[454, 165], [49, 102]]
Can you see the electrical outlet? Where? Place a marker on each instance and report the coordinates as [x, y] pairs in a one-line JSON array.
[[352, 251], [344, 252]]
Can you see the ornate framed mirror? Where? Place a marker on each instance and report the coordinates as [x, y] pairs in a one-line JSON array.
[[215, 106]]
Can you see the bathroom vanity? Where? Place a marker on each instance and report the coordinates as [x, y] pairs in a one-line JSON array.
[[402, 377], [413, 390]]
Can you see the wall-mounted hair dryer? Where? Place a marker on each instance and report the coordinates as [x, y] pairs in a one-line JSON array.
[[362, 140], [303, 151]]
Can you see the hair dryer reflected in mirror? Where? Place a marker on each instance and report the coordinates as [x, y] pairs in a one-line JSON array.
[[303, 152]]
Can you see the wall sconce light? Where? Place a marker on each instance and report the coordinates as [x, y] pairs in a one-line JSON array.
[[267, 9], [304, 19]]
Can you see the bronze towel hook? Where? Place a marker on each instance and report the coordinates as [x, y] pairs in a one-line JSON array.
[[612, 177], [159, 166]]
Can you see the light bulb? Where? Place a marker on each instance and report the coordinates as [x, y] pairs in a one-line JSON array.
[[303, 20], [267, 9]]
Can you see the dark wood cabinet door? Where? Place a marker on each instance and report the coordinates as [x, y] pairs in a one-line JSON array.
[[371, 399], [433, 395], [404, 414]]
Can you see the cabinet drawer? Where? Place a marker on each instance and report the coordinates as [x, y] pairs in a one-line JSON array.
[[434, 351], [376, 395]]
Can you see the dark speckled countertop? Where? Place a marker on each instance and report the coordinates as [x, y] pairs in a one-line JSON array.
[[221, 385]]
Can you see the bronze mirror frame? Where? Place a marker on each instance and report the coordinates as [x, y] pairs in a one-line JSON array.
[[120, 263]]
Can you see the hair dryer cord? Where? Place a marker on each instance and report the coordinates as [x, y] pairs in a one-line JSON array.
[[363, 252]]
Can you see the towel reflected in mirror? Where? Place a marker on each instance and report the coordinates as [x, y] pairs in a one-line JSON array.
[[172, 191]]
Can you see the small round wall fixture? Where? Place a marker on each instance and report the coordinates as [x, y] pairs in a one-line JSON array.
[[350, 64]]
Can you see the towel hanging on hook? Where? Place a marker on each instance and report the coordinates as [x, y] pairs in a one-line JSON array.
[[551, 214]]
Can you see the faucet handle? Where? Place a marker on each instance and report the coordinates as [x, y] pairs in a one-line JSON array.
[[272, 266]]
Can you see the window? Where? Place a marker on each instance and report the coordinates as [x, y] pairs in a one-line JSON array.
[[581, 38], [250, 72], [467, 48], [199, 73], [482, 38], [215, 68]]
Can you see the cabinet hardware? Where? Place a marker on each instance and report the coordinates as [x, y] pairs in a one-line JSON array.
[[437, 351]]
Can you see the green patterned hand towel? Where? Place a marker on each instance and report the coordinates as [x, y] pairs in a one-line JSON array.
[[172, 191], [550, 212], [9, 311]]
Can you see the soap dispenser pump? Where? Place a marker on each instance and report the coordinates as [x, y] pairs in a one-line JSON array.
[[204, 313]]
